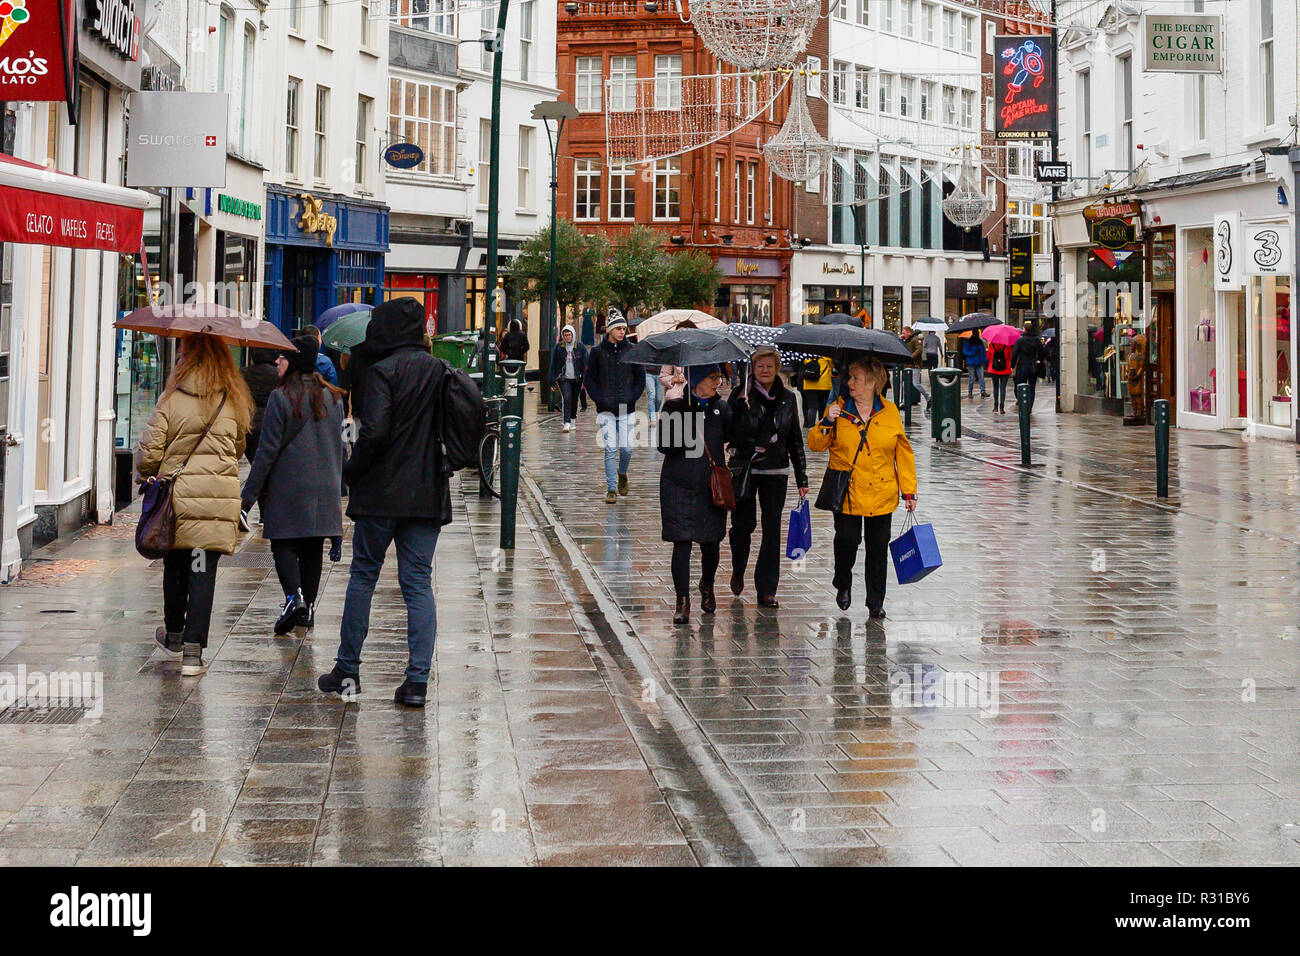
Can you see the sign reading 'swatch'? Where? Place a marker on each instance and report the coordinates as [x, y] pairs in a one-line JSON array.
[[115, 22]]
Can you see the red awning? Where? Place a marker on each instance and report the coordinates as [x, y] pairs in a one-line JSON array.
[[50, 208]]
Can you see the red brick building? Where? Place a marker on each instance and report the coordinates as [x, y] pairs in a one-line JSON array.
[[720, 198]]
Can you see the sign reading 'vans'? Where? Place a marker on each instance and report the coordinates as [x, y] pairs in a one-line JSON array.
[[75, 909]]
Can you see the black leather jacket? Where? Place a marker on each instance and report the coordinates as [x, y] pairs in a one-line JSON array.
[[756, 422]]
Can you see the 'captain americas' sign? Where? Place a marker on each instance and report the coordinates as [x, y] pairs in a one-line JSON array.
[[1025, 86]]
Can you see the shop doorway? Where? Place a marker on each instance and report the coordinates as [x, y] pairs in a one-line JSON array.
[[1233, 391], [1161, 348]]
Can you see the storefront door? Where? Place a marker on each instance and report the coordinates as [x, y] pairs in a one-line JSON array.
[[1232, 392], [1163, 379]]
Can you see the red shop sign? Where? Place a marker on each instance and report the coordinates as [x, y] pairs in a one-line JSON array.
[[51, 217], [38, 44]]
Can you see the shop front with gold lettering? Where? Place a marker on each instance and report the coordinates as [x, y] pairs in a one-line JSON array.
[[753, 290]]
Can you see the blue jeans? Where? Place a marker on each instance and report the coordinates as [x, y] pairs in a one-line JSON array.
[[976, 374], [616, 437], [416, 539], [652, 395]]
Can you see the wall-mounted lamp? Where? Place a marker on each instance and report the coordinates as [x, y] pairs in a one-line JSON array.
[[726, 239], [570, 8], [651, 6], [677, 240], [770, 240], [1281, 195], [805, 241]]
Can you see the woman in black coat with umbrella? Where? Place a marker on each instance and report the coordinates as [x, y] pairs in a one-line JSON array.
[[686, 507]]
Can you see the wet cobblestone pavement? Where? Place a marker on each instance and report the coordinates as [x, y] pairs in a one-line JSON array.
[[1093, 677]]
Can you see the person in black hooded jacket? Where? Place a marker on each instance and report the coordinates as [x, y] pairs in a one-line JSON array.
[[768, 440], [262, 378], [398, 492]]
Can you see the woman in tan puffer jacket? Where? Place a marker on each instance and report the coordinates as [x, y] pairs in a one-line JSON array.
[[205, 495]]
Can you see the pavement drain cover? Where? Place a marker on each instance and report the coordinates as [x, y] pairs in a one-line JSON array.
[[21, 714]]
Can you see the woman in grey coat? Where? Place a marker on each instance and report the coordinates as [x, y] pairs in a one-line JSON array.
[[297, 475]]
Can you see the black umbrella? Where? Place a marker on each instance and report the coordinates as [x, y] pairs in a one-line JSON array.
[[687, 347], [842, 342], [839, 318], [976, 320]]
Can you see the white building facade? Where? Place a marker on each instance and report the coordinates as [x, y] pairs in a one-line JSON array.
[[902, 82], [1193, 168]]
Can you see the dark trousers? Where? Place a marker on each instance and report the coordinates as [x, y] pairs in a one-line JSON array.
[[298, 564], [766, 496], [250, 445], [569, 388], [189, 584], [814, 403], [1000, 391], [710, 551], [850, 530], [1030, 379], [582, 398]]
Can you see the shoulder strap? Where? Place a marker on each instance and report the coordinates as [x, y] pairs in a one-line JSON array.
[[202, 435]]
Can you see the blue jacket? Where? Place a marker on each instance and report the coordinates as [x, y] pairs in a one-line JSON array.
[[974, 352], [579, 361], [326, 368]]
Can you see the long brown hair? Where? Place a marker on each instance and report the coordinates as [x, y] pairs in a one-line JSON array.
[[205, 367], [299, 387]]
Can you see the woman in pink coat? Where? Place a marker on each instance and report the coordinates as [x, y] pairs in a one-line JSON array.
[[673, 377]]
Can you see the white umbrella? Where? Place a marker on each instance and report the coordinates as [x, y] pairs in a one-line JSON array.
[[671, 318], [759, 335], [930, 325]]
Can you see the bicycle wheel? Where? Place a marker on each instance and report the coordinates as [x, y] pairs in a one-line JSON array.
[[489, 462]]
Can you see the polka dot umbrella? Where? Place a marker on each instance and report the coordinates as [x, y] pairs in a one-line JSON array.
[[756, 336]]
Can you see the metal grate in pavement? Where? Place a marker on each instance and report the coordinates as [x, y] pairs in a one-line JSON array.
[[19, 713]]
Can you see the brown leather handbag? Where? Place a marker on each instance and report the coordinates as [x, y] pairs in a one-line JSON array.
[[155, 535], [724, 493]]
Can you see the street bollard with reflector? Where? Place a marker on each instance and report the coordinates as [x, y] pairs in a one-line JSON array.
[[897, 373], [512, 421], [909, 396], [1161, 415], [1022, 408]]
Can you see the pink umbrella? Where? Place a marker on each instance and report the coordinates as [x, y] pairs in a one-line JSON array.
[[1001, 334]]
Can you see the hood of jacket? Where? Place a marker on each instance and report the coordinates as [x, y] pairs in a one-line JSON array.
[[395, 324]]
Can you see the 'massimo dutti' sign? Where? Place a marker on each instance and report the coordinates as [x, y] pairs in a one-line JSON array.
[[1183, 43]]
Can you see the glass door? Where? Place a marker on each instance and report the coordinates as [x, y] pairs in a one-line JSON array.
[[1231, 386]]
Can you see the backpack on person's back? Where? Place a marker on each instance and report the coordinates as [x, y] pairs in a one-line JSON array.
[[462, 420], [999, 362]]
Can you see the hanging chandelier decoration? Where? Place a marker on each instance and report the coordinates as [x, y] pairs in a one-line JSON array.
[[968, 206], [798, 152], [756, 34]]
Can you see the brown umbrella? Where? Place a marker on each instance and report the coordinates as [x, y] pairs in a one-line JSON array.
[[232, 327]]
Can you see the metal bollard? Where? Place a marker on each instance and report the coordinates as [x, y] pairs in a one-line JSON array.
[[908, 388], [897, 373], [1162, 447], [511, 427], [1022, 399]]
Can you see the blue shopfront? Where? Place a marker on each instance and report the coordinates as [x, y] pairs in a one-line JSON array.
[[321, 250]]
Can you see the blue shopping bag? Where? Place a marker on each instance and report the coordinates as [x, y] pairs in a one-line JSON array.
[[915, 551], [798, 539]]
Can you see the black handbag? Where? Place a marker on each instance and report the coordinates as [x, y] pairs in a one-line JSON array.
[[155, 534], [835, 483], [740, 472]]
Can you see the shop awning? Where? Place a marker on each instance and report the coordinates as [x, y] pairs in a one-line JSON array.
[[49, 208]]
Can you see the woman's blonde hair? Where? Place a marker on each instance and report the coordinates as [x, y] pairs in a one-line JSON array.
[[206, 367], [766, 351], [874, 370]]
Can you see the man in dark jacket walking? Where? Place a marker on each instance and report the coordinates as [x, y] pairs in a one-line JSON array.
[[262, 378], [1025, 356], [398, 493], [615, 388]]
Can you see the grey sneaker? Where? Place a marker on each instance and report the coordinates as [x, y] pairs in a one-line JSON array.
[[168, 641], [192, 663]]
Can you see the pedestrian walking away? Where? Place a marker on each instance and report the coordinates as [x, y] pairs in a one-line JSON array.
[[323, 363], [768, 440], [514, 343], [568, 364], [262, 379], [865, 436], [1025, 356], [817, 376], [972, 351], [916, 345], [197, 428], [933, 350], [399, 493], [297, 479], [999, 370], [615, 388], [687, 511]]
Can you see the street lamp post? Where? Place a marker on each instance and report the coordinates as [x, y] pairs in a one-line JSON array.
[[546, 111], [497, 41]]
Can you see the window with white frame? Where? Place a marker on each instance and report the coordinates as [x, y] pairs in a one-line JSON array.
[[484, 159], [668, 82], [425, 114], [968, 109], [586, 189], [1124, 84], [814, 67], [525, 167], [291, 127], [771, 191], [487, 28], [1030, 218], [906, 95], [908, 26], [433, 16], [1198, 108], [927, 101], [1267, 91], [622, 83], [225, 32], [886, 86], [751, 174], [949, 106], [320, 153], [365, 107], [862, 93], [967, 33], [840, 9], [950, 29], [295, 16], [717, 190], [840, 83], [622, 193], [735, 192], [527, 15], [887, 15], [365, 21], [864, 12], [246, 131], [323, 22], [668, 186], [586, 84], [929, 22], [1085, 120]]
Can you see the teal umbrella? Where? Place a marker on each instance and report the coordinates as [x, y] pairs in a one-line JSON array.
[[346, 332]]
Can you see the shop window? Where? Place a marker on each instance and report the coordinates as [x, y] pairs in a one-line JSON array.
[[892, 307], [920, 303], [1198, 314], [1271, 301], [586, 189]]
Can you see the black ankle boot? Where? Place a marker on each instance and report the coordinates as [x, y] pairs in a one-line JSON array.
[[843, 597], [708, 603], [683, 612], [737, 582], [411, 693], [294, 613], [339, 681]]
